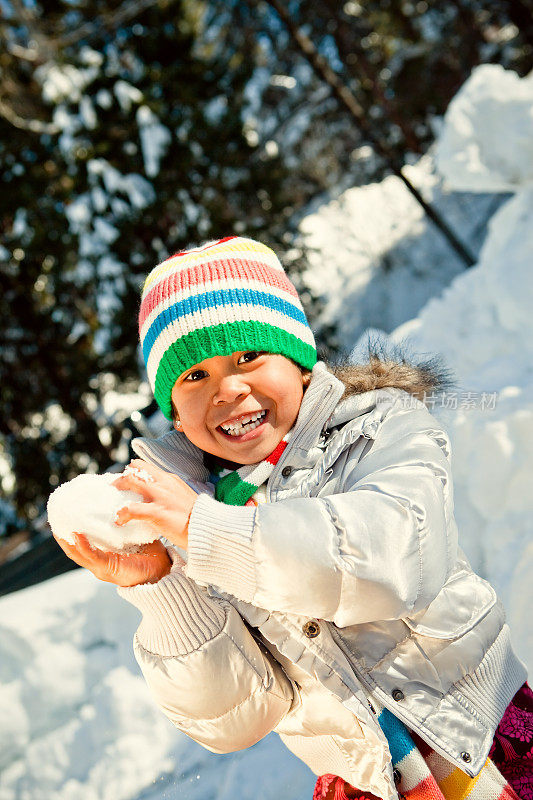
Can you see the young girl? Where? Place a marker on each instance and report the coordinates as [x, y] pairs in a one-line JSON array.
[[324, 594]]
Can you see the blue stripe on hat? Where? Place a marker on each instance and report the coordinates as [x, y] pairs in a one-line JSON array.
[[215, 299]]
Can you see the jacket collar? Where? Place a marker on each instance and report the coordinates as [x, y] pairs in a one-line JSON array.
[[319, 401], [173, 452]]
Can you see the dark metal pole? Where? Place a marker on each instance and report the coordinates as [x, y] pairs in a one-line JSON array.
[[346, 97]]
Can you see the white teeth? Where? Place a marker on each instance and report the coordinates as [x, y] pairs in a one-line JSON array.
[[247, 423]]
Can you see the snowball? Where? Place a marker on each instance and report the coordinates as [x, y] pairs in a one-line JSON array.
[[88, 504]]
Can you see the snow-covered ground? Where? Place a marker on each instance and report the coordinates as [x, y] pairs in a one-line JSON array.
[[77, 721]]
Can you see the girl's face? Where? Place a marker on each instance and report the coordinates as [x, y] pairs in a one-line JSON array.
[[239, 407]]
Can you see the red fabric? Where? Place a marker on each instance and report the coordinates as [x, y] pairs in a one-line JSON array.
[[511, 752], [275, 455], [334, 788], [512, 748]]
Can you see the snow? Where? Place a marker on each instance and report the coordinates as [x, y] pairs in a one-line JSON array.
[[94, 216], [138, 190], [127, 94], [79, 721], [69, 124], [81, 724], [104, 98], [57, 422], [78, 213], [91, 57], [20, 223], [483, 326], [7, 476], [89, 504], [64, 81], [215, 109], [487, 145], [155, 139], [87, 113], [119, 405], [375, 259]]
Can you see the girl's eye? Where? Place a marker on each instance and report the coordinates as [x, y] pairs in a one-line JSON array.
[[250, 355], [196, 375]]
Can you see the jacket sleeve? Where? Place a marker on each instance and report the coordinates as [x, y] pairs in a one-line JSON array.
[[205, 670], [380, 547]]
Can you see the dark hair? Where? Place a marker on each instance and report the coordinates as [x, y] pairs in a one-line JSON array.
[[174, 410]]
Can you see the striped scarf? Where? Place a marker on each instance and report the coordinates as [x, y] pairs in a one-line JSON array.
[[422, 774], [236, 487]]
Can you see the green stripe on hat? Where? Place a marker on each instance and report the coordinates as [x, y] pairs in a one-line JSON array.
[[222, 340]]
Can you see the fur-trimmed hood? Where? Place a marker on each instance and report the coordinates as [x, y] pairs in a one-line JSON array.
[[394, 366]]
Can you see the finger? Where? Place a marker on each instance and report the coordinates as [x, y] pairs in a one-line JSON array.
[[71, 550], [92, 554], [162, 482], [146, 468], [133, 483], [145, 511], [103, 564], [155, 549], [64, 545]]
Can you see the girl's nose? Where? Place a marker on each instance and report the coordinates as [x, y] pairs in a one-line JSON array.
[[231, 388]]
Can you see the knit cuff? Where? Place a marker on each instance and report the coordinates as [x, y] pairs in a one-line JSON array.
[[220, 547], [177, 616]]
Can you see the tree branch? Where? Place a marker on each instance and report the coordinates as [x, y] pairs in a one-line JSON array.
[[110, 21], [322, 68], [33, 125]]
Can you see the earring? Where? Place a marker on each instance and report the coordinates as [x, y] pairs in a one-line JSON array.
[[177, 425]]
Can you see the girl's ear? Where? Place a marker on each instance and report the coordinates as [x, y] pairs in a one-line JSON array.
[[175, 419]]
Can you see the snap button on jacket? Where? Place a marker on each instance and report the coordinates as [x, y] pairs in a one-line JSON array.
[[311, 628]]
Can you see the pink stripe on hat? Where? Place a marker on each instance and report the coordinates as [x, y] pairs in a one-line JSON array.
[[178, 281]]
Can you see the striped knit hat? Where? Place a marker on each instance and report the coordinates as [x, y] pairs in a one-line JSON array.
[[214, 300]]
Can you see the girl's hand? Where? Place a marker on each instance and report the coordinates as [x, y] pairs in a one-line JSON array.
[[168, 501], [149, 565]]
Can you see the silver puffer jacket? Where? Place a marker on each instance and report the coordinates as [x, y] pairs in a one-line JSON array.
[[346, 585]]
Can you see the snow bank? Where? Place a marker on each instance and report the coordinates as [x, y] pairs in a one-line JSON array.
[[483, 325], [479, 320], [375, 259], [78, 722], [487, 142]]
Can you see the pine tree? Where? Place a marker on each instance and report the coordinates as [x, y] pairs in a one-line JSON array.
[[129, 131], [124, 145]]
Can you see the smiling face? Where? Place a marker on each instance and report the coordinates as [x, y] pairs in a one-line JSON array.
[[239, 407]]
